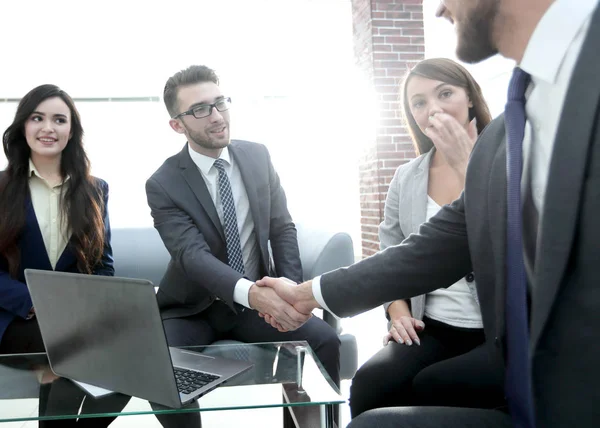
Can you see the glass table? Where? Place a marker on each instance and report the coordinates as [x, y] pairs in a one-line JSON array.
[[285, 374]]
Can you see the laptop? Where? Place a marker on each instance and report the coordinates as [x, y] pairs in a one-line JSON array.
[[107, 331]]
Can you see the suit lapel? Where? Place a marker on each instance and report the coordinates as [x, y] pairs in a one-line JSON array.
[[418, 192], [33, 236], [194, 179], [566, 178], [248, 169], [66, 259], [497, 221]]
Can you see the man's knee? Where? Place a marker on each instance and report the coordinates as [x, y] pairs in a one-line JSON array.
[[331, 339], [322, 335]]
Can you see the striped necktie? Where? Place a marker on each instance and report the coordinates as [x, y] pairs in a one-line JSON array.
[[232, 234]]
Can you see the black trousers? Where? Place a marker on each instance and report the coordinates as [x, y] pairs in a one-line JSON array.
[[431, 417], [220, 322], [452, 367], [22, 337], [61, 395]]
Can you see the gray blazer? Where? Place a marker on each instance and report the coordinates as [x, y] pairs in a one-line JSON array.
[[405, 210], [187, 221], [470, 234]]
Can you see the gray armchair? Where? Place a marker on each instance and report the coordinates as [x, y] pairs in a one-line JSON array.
[[140, 253]]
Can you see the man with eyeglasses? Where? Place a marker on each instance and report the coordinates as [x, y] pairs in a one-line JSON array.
[[216, 205]]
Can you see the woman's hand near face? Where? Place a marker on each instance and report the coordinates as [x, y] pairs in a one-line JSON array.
[[451, 138]]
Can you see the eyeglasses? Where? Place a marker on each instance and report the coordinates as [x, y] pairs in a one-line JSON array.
[[205, 110]]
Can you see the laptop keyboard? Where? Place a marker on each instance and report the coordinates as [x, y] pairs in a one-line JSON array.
[[190, 380]]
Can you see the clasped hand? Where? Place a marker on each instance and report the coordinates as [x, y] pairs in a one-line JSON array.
[[284, 305]]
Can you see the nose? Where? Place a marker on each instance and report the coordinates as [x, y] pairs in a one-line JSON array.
[[47, 126], [434, 108], [215, 115]]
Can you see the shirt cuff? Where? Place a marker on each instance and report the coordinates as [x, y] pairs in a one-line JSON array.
[[240, 292], [316, 289]]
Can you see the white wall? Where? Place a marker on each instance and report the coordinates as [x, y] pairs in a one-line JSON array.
[[288, 66]]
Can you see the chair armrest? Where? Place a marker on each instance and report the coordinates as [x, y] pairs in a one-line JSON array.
[[322, 251]]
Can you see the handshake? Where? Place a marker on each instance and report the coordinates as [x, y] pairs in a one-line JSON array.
[[283, 304]]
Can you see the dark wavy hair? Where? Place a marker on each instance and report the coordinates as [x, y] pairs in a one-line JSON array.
[[82, 201], [447, 71]]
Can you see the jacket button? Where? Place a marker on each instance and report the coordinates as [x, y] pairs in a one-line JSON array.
[[497, 341], [470, 277]]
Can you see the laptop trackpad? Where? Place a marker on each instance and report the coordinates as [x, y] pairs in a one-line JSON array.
[[194, 360]]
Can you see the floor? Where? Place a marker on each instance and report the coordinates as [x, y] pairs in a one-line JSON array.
[[368, 328]]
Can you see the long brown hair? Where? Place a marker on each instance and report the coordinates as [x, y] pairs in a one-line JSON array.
[[447, 71], [82, 202]]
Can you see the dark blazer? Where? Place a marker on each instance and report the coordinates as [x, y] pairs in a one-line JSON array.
[[187, 221], [15, 300], [470, 234]]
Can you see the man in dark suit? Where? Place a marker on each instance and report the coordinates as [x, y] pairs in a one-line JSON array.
[[553, 380], [217, 205]]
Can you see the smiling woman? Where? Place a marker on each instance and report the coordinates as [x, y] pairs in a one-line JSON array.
[[47, 197], [47, 132], [52, 217]]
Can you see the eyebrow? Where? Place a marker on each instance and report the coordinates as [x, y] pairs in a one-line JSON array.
[[435, 89], [44, 114], [205, 103]]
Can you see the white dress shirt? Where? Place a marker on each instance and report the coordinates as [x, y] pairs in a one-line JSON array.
[[46, 201], [456, 304], [245, 222], [550, 58]]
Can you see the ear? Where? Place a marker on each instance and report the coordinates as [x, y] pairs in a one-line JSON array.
[[177, 126]]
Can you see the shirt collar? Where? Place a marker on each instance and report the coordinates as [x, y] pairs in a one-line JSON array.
[[33, 172], [553, 35], [205, 163]]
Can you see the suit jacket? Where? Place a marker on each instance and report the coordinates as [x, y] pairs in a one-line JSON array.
[[405, 211], [187, 221], [471, 234], [15, 300]]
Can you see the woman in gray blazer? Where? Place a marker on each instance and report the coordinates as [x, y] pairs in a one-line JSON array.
[[434, 353]]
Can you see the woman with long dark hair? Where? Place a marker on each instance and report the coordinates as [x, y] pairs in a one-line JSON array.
[[434, 353], [53, 216], [52, 211]]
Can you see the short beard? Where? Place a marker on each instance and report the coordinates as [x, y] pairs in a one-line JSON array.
[[475, 35], [207, 143]]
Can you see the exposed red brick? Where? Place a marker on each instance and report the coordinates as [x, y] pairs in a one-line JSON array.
[[389, 40], [413, 32], [395, 40], [393, 14]]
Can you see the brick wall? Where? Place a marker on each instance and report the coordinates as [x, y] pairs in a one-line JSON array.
[[388, 38]]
